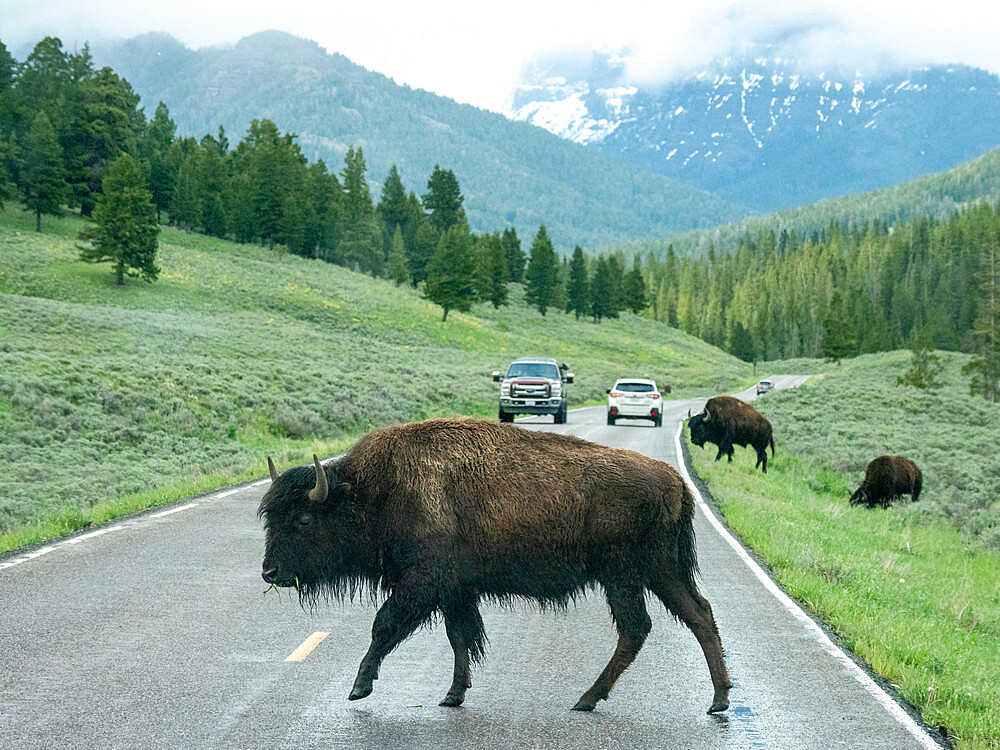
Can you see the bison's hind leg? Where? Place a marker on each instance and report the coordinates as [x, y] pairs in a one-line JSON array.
[[467, 636], [693, 610], [628, 608]]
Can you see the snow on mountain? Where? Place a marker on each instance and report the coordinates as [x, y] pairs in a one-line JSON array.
[[766, 132]]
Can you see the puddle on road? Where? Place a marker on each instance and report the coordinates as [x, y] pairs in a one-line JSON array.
[[744, 720]]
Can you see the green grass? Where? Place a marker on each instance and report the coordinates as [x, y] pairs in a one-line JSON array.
[[850, 414], [915, 589], [115, 398]]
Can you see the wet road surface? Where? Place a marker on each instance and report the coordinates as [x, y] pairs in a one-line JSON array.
[[155, 632]]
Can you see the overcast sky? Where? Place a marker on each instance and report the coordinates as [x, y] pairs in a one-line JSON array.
[[474, 51]]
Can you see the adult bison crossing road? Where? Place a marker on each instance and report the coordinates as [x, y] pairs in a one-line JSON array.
[[157, 633]]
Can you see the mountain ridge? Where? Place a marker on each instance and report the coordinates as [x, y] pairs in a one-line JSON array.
[[511, 173], [766, 131]]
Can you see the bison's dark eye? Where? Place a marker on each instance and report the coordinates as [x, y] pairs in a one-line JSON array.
[[305, 521]]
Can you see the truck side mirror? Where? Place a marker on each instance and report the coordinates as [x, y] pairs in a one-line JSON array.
[[569, 377], [496, 376]]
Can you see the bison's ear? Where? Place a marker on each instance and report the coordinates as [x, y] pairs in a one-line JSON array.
[[344, 488], [270, 468], [318, 493]]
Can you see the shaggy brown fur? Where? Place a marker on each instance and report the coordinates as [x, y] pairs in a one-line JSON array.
[[441, 514], [727, 421], [886, 478]]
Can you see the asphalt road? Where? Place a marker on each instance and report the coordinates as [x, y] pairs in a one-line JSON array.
[[156, 632]]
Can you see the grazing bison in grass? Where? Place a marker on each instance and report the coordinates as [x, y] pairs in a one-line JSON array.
[[438, 515], [886, 478], [727, 421]]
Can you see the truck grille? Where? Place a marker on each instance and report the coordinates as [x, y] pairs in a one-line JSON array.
[[528, 390]]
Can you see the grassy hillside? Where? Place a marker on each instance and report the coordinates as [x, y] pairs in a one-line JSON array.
[[863, 414], [915, 589], [934, 195], [510, 172], [109, 392]]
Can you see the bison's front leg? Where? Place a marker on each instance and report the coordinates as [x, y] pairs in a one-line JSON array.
[[467, 635], [404, 611]]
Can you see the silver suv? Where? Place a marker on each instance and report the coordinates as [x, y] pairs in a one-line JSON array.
[[533, 385]]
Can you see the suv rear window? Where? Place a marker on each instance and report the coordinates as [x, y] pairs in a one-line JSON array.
[[533, 370], [634, 387]]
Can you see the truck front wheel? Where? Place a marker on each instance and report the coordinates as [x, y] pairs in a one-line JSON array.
[[505, 417]]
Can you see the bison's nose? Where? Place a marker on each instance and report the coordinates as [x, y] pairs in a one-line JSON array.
[[270, 575]]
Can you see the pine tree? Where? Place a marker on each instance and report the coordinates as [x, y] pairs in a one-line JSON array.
[[397, 268], [499, 272], [425, 243], [106, 123], [985, 365], [838, 334], [925, 366], [43, 187], [515, 255], [443, 201], [616, 274], [542, 273], [392, 206], [741, 344], [600, 290], [361, 240], [126, 229], [634, 289], [185, 204], [578, 287], [451, 273], [157, 138], [8, 69]]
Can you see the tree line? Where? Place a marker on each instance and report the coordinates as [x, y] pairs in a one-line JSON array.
[[70, 133], [842, 291]]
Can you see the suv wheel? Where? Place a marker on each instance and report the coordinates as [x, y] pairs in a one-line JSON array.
[[611, 420], [658, 422], [505, 417]]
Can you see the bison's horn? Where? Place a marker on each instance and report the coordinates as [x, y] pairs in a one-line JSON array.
[[707, 415], [689, 414], [270, 468], [318, 493]]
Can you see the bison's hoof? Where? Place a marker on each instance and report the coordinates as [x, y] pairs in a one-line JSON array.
[[719, 705], [585, 704], [452, 700], [359, 692]]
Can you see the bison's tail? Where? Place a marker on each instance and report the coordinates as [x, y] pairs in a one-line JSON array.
[[687, 553], [772, 447]]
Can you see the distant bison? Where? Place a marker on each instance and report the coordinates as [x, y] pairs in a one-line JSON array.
[[727, 421], [441, 514], [886, 478]]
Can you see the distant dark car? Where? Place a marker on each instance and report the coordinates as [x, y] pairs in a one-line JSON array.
[[764, 386]]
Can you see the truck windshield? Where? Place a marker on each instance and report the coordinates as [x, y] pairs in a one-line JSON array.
[[634, 387], [533, 370]]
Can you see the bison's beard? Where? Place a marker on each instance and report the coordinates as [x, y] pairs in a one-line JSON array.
[[337, 586]]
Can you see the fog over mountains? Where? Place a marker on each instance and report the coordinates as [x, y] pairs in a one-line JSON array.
[[766, 131]]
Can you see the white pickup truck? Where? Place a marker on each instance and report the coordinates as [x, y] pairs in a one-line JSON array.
[[533, 385]]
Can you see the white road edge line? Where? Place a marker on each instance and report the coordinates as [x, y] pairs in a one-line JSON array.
[[163, 513], [227, 493], [919, 733]]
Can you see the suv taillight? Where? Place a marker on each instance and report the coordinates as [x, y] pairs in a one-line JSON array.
[[654, 395], [616, 394]]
